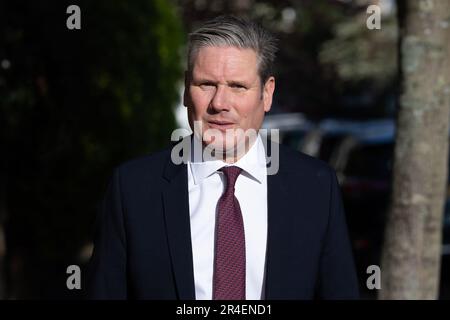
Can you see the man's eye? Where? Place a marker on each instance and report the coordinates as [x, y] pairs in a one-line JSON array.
[[238, 86], [207, 85]]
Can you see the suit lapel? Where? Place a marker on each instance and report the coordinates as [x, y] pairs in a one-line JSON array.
[[292, 238], [282, 236], [176, 213], [279, 236]]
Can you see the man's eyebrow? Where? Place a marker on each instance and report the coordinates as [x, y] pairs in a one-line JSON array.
[[203, 79], [237, 82]]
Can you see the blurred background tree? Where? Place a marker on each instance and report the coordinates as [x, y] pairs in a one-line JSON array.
[[364, 61], [74, 104]]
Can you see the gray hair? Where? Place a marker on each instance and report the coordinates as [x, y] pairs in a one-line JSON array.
[[232, 31]]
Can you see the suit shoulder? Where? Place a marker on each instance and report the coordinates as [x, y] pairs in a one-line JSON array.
[[145, 166], [300, 162]]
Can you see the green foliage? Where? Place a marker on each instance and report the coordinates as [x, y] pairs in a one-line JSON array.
[[74, 104], [359, 54]]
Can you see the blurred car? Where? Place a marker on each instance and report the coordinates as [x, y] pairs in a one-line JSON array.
[[361, 152]]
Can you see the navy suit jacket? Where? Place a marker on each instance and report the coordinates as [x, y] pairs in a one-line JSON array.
[[142, 247]]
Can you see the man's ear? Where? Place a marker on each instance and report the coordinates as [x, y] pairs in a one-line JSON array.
[[268, 90], [186, 88]]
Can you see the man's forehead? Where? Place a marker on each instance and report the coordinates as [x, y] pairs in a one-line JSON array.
[[225, 61]]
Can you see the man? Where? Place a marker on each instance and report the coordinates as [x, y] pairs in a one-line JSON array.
[[221, 227]]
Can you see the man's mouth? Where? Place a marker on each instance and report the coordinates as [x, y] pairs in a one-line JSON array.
[[221, 125]]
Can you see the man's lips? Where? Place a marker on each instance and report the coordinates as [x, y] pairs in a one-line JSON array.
[[221, 125]]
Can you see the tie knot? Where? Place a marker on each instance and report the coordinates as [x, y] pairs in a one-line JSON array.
[[231, 175]]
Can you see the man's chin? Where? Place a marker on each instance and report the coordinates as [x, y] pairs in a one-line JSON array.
[[224, 150], [220, 146]]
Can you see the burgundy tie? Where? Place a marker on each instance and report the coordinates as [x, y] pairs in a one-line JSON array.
[[229, 264]]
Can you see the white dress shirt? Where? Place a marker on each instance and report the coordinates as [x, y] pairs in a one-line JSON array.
[[206, 186]]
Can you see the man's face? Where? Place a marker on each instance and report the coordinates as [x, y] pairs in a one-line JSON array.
[[224, 92]]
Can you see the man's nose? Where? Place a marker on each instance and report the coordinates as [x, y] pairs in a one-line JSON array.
[[220, 100]]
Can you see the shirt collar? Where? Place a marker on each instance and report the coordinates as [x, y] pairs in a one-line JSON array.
[[253, 163]]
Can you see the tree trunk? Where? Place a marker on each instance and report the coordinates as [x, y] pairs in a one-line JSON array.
[[413, 238]]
